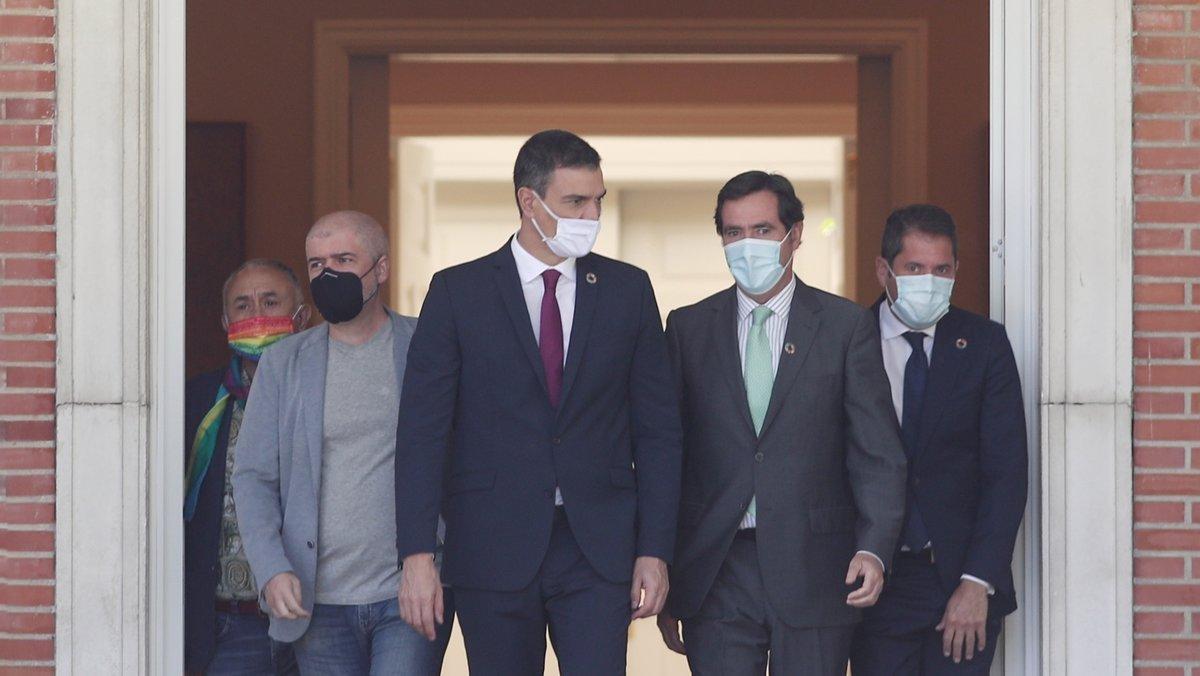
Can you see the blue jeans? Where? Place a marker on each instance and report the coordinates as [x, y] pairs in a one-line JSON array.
[[370, 640], [244, 649]]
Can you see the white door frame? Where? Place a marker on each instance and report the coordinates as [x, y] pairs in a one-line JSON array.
[[1062, 273]]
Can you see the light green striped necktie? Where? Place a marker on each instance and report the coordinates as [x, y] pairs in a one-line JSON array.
[[759, 374]]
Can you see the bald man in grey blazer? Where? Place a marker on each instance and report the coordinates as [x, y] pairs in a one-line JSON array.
[[793, 469]]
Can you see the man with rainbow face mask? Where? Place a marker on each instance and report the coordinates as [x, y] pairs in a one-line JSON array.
[[225, 631]]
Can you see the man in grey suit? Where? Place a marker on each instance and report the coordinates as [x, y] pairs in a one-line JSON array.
[[793, 469], [314, 480]]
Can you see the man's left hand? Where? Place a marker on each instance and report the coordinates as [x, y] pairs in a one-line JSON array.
[[649, 590], [964, 624], [868, 568]]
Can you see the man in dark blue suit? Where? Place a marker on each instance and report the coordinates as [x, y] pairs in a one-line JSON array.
[[224, 629], [538, 413], [957, 395]]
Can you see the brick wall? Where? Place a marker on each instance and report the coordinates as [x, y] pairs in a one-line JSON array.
[[27, 342], [1167, 338]]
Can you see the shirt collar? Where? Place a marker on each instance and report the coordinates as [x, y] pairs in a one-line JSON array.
[[780, 304], [890, 325], [530, 268]]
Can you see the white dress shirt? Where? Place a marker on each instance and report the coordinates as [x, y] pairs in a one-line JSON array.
[[529, 271], [776, 328], [896, 351]]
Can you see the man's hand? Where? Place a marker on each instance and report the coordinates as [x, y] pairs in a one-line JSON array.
[[421, 595], [669, 626], [283, 597], [868, 568], [964, 624], [649, 576]]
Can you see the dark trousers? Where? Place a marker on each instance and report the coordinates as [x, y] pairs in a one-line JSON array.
[[737, 632], [588, 618], [898, 635]]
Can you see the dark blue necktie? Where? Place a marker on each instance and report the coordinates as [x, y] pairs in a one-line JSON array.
[[916, 375]]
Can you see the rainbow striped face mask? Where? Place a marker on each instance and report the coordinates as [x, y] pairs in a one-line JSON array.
[[249, 337]]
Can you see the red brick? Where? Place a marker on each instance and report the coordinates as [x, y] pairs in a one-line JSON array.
[[1167, 102], [27, 513], [26, 350], [1159, 75], [29, 4], [1166, 158], [1159, 348], [27, 188], [25, 649], [27, 296], [1167, 484], [26, 403], [1159, 671], [28, 322], [1147, 512], [1166, 649], [1166, 212], [29, 109], [1167, 430], [1159, 47], [1159, 185], [29, 671], [1166, 320], [26, 595], [1194, 130], [27, 162], [26, 458], [1151, 294], [1158, 238], [27, 26], [1166, 266], [24, 241], [29, 376], [27, 52], [26, 568], [1154, 20], [1158, 623], [27, 80], [27, 214], [26, 485], [28, 540], [26, 135], [29, 268], [1166, 375], [1162, 403], [1153, 539], [26, 623], [27, 430], [1158, 567]]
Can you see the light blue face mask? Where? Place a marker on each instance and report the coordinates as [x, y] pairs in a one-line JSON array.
[[921, 300], [755, 263]]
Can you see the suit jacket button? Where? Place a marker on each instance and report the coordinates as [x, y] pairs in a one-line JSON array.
[[758, 456], [310, 544]]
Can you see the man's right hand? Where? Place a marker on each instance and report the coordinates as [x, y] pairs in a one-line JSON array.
[[283, 597], [421, 595], [669, 626]]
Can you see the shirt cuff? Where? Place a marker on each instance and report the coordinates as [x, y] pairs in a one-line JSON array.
[[874, 556], [990, 589]]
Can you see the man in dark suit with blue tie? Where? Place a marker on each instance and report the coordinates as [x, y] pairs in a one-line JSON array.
[[957, 395], [538, 414]]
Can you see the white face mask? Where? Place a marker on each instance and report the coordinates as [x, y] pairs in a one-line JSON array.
[[574, 237], [755, 263], [921, 300]]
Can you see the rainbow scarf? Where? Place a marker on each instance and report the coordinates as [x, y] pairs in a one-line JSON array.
[[205, 443]]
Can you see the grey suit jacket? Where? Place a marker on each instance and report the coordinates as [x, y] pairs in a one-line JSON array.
[[828, 469], [277, 470]]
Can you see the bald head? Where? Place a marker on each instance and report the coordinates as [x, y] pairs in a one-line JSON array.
[[369, 235]]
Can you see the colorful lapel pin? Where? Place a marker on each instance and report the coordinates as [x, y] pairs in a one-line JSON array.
[[961, 343], [789, 348]]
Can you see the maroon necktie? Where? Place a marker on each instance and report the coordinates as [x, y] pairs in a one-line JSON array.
[[550, 340]]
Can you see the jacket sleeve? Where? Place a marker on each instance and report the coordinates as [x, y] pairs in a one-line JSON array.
[[656, 432], [256, 474], [875, 456], [426, 418], [1004, 466]]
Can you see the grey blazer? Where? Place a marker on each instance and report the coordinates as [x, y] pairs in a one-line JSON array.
[[828, 469], [277, 470]]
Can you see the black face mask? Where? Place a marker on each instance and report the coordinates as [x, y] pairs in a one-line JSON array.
[[339, 295]]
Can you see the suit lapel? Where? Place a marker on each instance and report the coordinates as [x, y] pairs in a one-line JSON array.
[[729, 356], [801, 331], [944, 367], [509, 286], [314, 360], [586, 292]]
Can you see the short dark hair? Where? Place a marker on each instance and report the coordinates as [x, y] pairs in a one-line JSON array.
[[791, 209], [546, 151], [929, 219]]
